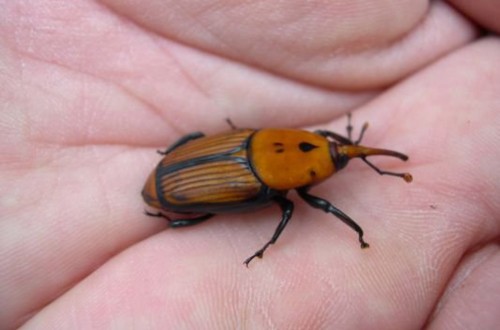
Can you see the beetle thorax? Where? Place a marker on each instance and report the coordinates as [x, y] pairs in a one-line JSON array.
[[285, 159]]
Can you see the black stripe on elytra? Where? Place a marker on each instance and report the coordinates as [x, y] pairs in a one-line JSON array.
[[199, 160]]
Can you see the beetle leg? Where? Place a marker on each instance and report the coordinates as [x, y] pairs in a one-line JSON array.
[[342, 139], [231, 124], [287, 209], [157, 215], [174, 223], [326, 206], [183, 140], [335, 136]]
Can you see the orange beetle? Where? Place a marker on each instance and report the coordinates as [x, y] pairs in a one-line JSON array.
[[244, 169]]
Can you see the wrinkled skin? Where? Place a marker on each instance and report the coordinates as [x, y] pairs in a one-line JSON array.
[[89, 90]]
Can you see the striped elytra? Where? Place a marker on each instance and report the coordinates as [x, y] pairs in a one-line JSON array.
[[229, 180], [233, 143]]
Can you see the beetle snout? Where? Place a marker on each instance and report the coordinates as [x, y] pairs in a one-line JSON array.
[[357, 151]]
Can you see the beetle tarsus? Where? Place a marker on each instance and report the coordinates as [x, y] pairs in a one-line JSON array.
[[258, 254]]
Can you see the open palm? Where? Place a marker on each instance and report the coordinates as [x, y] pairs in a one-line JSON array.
[[89, 90]]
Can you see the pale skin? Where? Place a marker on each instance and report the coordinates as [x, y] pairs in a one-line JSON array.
[[90, 90]]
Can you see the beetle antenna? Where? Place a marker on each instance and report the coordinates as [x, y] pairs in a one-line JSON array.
[[361, 134], [349, 129], [349, 126], [406, 176]]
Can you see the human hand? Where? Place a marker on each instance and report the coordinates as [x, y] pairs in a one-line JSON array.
[[89, 92]]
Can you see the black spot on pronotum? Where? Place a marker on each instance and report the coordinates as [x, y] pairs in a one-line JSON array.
[[306, 146], [278, 147], [312, 173]]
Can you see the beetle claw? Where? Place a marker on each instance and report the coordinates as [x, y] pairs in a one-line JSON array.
[[258, 254], [246, 262]]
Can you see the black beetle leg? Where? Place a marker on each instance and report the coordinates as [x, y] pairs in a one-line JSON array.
[[334, 136], [183, 140], [342, 139], [326, 206], [191, 221], [181, 222], [231, 124], [287, 209], [157, 215]]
